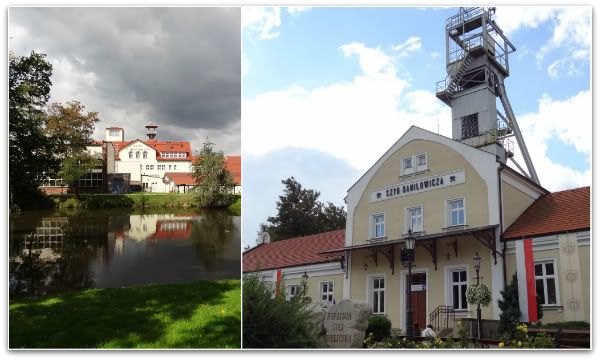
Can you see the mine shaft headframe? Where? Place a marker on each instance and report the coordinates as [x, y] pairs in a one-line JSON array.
[[472, 28]]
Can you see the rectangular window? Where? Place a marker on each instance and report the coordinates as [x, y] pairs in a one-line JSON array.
[[470, 126], [174, 167], [377, 294], [327, 291], [378, 226], [456, 212], [422, 160], [415, 219], [545, 282], [407, 163], [291, 291], [458, 289], [114, 132]]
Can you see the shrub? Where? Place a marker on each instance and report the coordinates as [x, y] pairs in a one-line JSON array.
[[271, 321], [379, 326], [521, 340], [509, 305], [582, 325], [71, 203]]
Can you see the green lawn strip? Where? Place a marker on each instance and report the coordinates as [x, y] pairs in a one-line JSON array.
[[197, 315], [236, 207]]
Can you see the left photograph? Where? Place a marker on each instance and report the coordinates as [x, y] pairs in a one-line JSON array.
[[124, 178]]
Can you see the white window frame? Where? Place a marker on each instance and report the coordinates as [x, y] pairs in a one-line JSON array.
[[371, 292], [114, 132], [131, 154], [450, 283], [545, 277], [424, 166], [288, 291], [409, 170], [372, 226], [328, 293], [448, 211], [408, 218]]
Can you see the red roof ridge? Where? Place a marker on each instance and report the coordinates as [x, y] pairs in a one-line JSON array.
[[553, 213], [304, 236]]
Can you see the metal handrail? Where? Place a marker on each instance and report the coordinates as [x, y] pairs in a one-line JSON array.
[[437, 318]]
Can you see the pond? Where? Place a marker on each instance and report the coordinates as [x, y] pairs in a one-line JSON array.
[[55, 251]]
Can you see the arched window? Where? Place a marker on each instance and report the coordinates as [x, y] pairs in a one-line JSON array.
[[145, 154], [137, 154], [131, 154]]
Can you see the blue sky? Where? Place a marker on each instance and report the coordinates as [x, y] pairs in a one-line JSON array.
[[318, 81]]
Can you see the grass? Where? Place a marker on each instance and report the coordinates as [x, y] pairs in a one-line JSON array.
[[134, 200], [236, 207], [197, 315]]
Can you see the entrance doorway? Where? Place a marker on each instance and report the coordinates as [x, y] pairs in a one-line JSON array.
[[418, 299]]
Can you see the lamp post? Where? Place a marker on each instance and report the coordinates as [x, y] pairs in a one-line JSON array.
[[304, 281], [410, 246], [477, 261]]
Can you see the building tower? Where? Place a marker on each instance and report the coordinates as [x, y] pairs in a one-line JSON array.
[[477, 64], [151, 130]]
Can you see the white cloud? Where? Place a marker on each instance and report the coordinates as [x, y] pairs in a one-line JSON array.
[[571, 33], [435, 55], [570, 122], [411, 45], [295, 10], [263, 21], [513, 18], [356, 121]]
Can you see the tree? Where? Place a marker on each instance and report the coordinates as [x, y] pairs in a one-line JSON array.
[[75, 166], [509, 305], [300, 213], [270, 321], [214, 183], [30, 150], [71, 127]]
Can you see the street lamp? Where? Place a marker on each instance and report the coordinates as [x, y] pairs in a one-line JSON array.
[[304, 281], [477, 261], [410, 246]]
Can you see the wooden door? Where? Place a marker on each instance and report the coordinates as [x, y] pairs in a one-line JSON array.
[[418, 300]]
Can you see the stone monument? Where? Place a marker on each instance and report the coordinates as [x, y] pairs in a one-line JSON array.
[[345, 324]]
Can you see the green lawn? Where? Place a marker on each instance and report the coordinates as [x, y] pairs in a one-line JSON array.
[[197, 315], [236, 207]]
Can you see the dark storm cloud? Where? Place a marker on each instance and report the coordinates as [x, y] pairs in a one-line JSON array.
[[180, 65]]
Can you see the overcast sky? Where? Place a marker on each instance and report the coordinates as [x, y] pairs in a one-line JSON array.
[[176, 67]]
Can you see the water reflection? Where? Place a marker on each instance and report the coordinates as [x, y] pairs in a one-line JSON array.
[[58, 251]]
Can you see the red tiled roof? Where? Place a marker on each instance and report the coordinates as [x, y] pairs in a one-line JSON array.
[[293, 252], [234, 165], [553, 213], [181, 178], [160, 147]]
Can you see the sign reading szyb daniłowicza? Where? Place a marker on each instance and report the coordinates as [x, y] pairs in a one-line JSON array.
[[418, 186]]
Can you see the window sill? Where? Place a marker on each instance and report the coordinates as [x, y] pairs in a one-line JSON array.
[[414, 174], [455, 227], [414, 234], [552, 307], [377, 239]]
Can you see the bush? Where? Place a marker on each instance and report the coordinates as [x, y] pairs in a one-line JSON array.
[[379, 326], [109, 201], [580, 325], [521, 340], [509, 305], [271, 321], [71, 203]]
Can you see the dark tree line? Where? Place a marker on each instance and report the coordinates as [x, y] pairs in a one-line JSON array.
[[300, 213]]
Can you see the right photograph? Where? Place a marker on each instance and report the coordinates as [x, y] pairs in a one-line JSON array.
[[416, 178]]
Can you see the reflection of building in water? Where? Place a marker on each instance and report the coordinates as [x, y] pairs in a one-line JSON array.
[[47, 239], [160, 226]]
